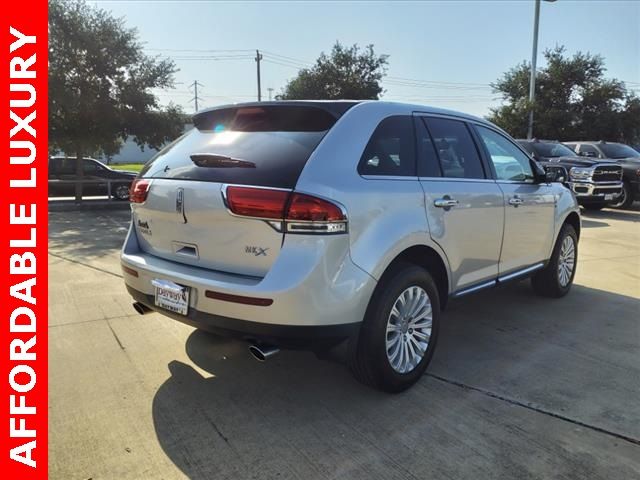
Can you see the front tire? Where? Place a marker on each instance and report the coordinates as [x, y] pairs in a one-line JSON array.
[[625, 200], [556, 278], [399, 332]]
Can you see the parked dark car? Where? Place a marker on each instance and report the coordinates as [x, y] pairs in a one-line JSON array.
[[62, 174], [594, 182], [623, 155]]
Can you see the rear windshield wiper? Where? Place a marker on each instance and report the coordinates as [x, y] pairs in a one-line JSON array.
[[213, 160]]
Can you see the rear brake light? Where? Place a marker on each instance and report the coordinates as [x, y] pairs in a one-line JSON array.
[[257, 202], [312, 209], [288, 211], [139, 190]]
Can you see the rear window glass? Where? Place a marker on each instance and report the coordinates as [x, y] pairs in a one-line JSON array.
[[391, 149], [616, 150], [553, 150], [62, 166], [267, 146]]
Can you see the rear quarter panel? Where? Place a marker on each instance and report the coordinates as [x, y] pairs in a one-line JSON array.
[[386, 214]]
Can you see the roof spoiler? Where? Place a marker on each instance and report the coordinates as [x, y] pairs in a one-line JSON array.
[[335, 108]]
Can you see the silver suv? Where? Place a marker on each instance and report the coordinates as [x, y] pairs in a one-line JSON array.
[[302, 224]]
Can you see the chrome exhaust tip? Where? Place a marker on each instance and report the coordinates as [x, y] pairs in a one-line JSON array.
[[141, 308], [263, 352]]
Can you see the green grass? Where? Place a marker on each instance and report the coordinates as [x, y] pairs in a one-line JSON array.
[[134, 167]]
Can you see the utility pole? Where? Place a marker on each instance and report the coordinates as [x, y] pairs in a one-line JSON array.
[[270, 91], [534, 57], [195, 85], [258, 58]]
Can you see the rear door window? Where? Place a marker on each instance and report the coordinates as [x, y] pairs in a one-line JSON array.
[[92, 168], [456, 150], [391, 149], [588, 150], [253, 145], [67, 166], [54, 166]]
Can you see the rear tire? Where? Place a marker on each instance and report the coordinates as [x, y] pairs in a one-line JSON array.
[[121, 192], [556, 278], [390, 327]]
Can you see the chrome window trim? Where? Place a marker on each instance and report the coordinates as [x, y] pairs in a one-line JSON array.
[[511, 182], [390, 177], [457, 179]]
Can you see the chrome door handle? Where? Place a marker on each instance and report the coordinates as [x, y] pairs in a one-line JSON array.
[[445, 202], [515, 201]]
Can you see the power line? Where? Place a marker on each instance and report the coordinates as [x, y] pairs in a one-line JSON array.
[[212, 58], [413, 80], [195, 50], [288, 59], [281, 64]]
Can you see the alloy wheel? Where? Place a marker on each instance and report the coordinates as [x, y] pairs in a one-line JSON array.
[[566, 261], [409, 329]]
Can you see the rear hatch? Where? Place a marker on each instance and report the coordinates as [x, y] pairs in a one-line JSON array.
[[182, 213]]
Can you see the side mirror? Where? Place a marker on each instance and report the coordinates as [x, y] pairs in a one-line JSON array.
[[588, 154], [555, 174], [550, 176], [539, 173]]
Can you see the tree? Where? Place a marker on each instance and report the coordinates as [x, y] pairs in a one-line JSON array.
[[573, 101], [347, 73], [100, 85]]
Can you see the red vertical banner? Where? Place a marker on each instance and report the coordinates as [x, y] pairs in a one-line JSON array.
[[23, 210]]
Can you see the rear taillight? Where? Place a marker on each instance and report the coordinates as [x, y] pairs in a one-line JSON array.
[[139, 190], [287, 211], [309, 214], [257, 202]]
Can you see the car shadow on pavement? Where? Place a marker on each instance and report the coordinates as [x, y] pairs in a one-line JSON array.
[[632, 214], [228, 416], [241, 418], [593, 224], [87, 234]]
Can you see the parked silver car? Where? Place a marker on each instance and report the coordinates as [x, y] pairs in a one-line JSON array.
[[301, 224]]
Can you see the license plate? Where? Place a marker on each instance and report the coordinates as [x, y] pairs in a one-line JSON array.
[[171, 296], [609, 196]]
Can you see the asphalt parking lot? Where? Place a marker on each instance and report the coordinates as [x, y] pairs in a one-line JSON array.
[[519, 387]]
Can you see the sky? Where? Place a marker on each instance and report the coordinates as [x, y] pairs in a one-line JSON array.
[[441, 53]]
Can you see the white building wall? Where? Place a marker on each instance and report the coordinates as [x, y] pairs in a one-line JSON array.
[[132, 153]]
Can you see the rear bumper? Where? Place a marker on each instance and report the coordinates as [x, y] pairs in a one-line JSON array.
[[285, 336], [315, 288]]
